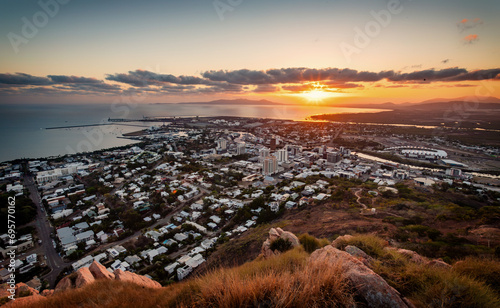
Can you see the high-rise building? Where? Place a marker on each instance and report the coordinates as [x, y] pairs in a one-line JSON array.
[[272, 144], [282, 155], [240, 148], [264, 152], [296, 149], [333, 157], [269, 165], [221, 144]]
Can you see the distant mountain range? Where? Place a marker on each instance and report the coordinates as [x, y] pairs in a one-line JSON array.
[[438, 103], [235, 102]]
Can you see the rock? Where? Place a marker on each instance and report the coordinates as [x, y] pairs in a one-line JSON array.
[[413, 256], [274, 234], [368, 285], [266, 249], [65, 283], [290, 236], [137, 279], [339, 241], [83, 277], [359, 254], [439, 264], [25, 290], [80, 278], [47, 292], [100, 272]]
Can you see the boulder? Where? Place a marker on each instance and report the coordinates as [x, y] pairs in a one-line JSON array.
[[413, 256], [100, 272], [80, 278], [266, 249], [359, 254], [137, 279], [25, 290], [83, 277], [339, 241], [291, 237], [65, 283], [47, 292], [367, 284], [439, 264], [274, 234]]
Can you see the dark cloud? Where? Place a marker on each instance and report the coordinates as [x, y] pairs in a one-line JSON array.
[[142, 78], [428, 75], [477, 75], [237, 81], [73, 79], [21, 79]]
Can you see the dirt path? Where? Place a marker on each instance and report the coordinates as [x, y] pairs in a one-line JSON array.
[[357, 193]]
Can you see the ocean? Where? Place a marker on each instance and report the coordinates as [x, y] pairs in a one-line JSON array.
[[24, 133]]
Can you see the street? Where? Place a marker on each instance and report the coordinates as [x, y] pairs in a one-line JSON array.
[[44, 229]]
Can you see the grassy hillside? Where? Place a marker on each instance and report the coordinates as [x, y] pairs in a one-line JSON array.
[[288, 280]]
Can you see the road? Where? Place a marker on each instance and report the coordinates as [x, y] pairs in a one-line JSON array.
[[44, 229]]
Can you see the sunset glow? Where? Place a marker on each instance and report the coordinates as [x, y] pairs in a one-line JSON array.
[[340, 52]]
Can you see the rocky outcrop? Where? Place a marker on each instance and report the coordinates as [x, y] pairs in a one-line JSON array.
[[137, 279], [87, 275], [412, 256], [415, 257], [23, 289], [341, 240], [439, 264], [368, 285], [81, 278], [274, 234], [47, 292], [100, 272], [359, 254], [29, 296]]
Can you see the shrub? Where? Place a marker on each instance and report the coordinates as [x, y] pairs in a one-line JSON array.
[[281, 245], [482, 269], [310, 243], [371, 244]]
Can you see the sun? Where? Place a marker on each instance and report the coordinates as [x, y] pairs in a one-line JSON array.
[[315, 95]]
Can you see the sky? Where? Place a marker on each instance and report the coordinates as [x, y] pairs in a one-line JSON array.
[[314, 51]]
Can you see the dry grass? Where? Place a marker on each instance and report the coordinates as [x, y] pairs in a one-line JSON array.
[[371, 244], [482, 269], [283, 281]]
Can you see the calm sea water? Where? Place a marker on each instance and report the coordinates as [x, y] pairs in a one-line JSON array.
[[23, 133]]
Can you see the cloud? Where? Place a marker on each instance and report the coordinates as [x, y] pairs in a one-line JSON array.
[[466, 24], [73, 79], [234, 81], [21, 79], [142, 78], [471, 38], [262, 88]]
